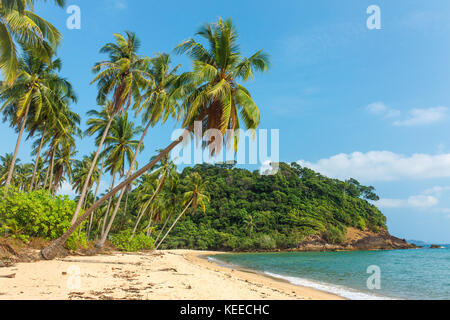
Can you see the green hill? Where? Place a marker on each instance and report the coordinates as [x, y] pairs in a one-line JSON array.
[[249, 211]]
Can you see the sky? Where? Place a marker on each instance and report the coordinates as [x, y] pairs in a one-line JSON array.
[[349, 101]]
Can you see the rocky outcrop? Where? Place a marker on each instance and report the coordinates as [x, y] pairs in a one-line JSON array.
[[357, 240]]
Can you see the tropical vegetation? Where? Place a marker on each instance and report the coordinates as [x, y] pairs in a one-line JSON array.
[[154, 206]]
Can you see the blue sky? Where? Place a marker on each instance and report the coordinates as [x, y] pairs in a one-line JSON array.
[[349, 101]]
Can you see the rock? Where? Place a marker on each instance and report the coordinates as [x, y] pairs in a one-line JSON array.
[[435, 246], [356, 240]]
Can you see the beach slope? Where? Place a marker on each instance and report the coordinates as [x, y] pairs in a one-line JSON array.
[[165, 275]]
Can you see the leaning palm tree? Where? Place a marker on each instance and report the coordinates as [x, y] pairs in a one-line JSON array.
[[123, 75], [121, 149], [19, 24], [160, 103], [195, 197], [55, 115], [216, 98], [38, 87]]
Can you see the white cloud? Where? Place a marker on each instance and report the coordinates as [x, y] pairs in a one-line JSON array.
[[382, 166], [419, 201], [416, 117], [419, 117], [66, 189], [379, 108], [116, 5], [422, 201], [428, 199]]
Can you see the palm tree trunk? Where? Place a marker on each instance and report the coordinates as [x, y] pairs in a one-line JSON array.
[[102, 241], [126, 203], [54, 248], [91, 170], [164, 227], [173, 224], [37, 160], [141, 214], [52, 162], [150, 224], [95, 196], [161, 182], [16, 150], [46, 176], [109, 205]]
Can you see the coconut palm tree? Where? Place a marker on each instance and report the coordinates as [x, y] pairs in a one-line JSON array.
[[214, 97], [195, 197], [55, 116], [123, 75], [250, 224], [97, 124], [80, 173], [160, 102], [5, 166], [121, 149], [37, 87], [19, 24], [151, 186]]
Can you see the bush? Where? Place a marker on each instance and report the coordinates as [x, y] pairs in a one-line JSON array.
[[37, 214], [140, 241], [266, 242], [334, 235], [76, 241]]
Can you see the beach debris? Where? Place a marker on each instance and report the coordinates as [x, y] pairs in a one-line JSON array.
[[8, 276], [168, 270]]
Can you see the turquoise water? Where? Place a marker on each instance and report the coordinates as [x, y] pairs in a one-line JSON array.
[[420, 274]]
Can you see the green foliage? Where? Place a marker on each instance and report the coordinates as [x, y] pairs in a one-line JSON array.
[[124, 242], [248, 211], [334, 235], [37, 214], [77, 241]]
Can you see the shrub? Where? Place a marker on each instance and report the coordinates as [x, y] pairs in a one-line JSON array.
[[124, 242], [37, 214], [334, 235], [266, 242]]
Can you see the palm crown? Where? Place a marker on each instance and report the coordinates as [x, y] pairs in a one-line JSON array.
[[216, 97], [19, 22]]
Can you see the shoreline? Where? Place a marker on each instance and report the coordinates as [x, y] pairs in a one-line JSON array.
[[164, 275], [248, 275]]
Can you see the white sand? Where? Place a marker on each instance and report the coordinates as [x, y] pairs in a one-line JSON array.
[[165, 275]]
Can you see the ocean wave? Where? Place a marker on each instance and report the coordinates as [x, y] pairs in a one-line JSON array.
[[334, 289]]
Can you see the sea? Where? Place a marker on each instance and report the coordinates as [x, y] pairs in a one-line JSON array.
[[417, 274]]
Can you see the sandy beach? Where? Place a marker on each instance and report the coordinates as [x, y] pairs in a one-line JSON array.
[[165, 275]]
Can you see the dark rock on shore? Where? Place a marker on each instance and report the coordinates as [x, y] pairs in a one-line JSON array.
[[357, 240]]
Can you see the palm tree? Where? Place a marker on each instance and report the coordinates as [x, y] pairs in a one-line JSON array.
[[250, 224], [159, 103], [19, 24], [121, 149], [195, 197], [5, 166], [151, 186], [56, 116], [124, 74], [37, 87], [80, 172], [216, 98], [97, 124]]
